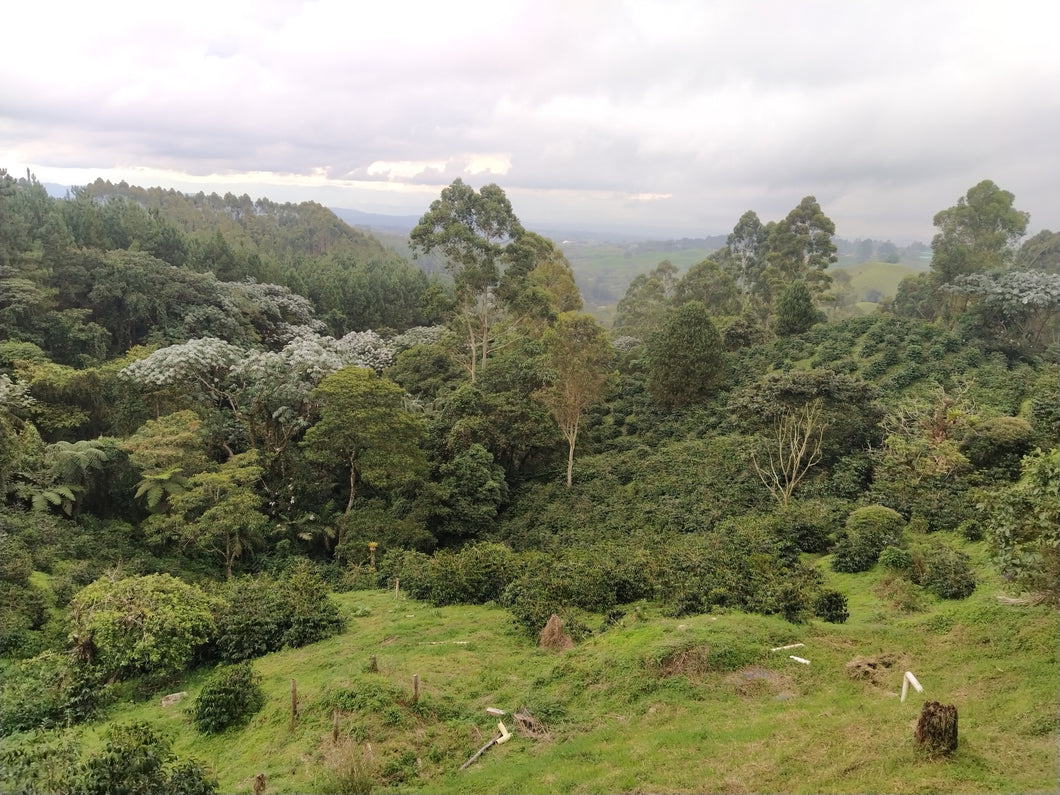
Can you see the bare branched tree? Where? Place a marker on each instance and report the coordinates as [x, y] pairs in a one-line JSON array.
[[794, 449]]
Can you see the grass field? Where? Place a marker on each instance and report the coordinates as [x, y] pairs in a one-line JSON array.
[[651, 703]]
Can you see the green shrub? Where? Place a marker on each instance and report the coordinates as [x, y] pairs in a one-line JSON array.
[[230, 698], [141, 625], [868, 531], [46, 691], [266, 613], [998, 443], [831, 606], [896, 559], [944, 571], [137, 760]]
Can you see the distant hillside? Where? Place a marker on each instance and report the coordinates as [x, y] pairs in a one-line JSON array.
[[874, 281], [286, 229]]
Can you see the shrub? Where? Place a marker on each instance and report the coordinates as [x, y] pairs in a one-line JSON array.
[[137, 760], [266, 613], [943, 571], [896, 559], [230, 698], [868, 531], [831, 606], [998, 443], [141, 625]]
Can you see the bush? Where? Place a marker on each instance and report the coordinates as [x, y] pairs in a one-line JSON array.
[[896, 559], [230, 698], [266, 613], [49, 690], [141, 625], [868, 531], [137, 760], [831, 606], [943, 571]]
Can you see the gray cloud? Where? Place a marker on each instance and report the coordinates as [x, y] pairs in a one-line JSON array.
[[677, 116]]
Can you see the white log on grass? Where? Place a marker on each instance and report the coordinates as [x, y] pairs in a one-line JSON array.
[[789, 646], [802, 660]]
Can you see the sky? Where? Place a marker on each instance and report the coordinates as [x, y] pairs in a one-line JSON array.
[[665, 117]]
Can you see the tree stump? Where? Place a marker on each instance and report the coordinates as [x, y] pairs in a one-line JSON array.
[[936, 731]]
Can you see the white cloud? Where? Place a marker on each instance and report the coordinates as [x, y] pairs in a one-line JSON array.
[[886, 112]]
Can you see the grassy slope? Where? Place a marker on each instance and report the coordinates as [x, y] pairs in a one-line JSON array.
[[732, 716]]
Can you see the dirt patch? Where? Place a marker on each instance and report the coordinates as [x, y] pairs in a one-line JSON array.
[[756, 681], [878, 671]]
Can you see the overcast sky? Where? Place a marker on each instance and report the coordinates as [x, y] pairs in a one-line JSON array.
[[669, 116]]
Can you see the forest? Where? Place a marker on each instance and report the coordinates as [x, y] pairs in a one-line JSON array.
[[220, 415]]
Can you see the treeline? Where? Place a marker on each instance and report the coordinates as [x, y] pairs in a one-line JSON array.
[[490, 441]]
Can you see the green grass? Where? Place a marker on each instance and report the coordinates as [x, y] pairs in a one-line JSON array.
[[654, 704], [871, 281]]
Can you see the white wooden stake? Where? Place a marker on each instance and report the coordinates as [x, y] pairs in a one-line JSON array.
[[799, 659], [789, 646]]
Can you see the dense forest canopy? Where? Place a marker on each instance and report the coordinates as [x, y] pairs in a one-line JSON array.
[[197, 389]]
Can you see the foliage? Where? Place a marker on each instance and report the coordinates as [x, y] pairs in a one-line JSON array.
[[231, 697], [978, 233], [795, 310], [831, 606], [137, 760], [942, 570], [868, 532], [577, 355], [1021, 524], [685, 359], [48, 691], [266, 613], [151, 624]]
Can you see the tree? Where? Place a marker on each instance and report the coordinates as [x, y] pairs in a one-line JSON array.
[[747, 247], [167, 451], [794, 449], [795, 310], [685, 359], [707, 282], [977, 234], [1040, 253], [641, 309], [801, 246], [473, 230], [1014, 307], [365, 428], [578, 355], [218, 511]]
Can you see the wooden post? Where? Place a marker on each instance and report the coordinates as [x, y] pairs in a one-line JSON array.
[[294, 703], [334, 726], [397, 585], [415, 688], [373, 666], [936, 731]]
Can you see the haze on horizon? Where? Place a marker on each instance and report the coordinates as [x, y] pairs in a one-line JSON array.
[[672, 117]]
